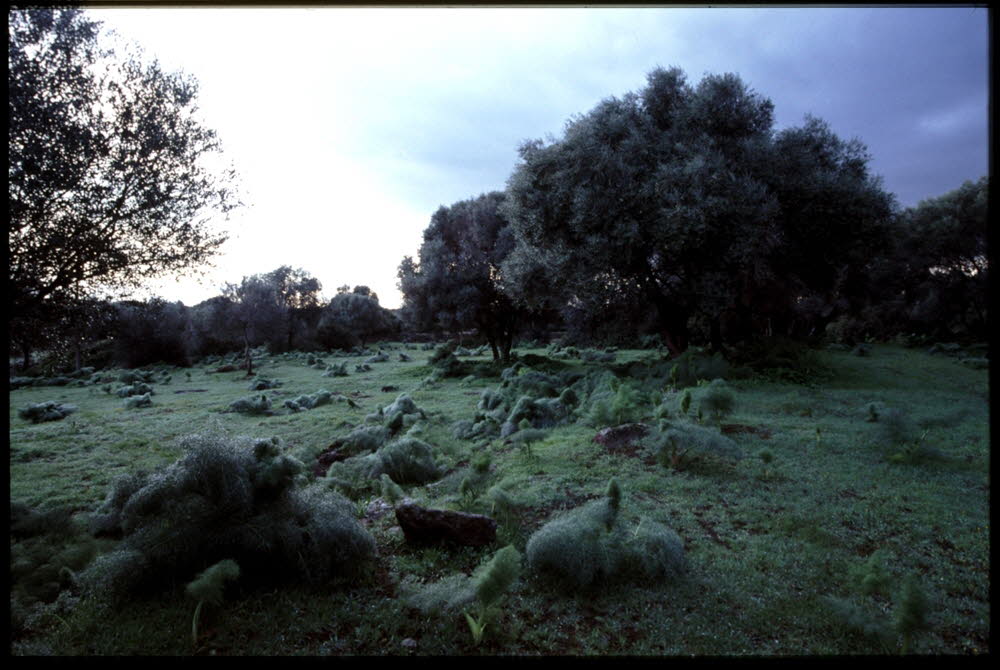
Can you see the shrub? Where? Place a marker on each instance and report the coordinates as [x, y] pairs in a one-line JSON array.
[[137, 401], [304, 402], [717, 400], [137, 388], [782, 359], [675, 443], [253, 405], [225, 498], [692, 366], [263, 384], [407, 461], [590, 546], [46, 411], [336, 370], [364, 439], [47, 548]]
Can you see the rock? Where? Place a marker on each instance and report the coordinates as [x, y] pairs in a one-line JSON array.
[[620, 438], [430, 526], [409, 643], [327, 458], [377, 509]]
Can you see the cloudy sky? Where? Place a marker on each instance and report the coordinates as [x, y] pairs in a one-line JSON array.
[[350, 126]]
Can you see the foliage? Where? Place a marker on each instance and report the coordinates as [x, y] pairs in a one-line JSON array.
[[208, 588], [684, 199], [111, 176], [150, 332], [717, 399], [225, 498], [674, 444], [590, 546], [407, 461], [46, 411], [457, 284], [253, 405]]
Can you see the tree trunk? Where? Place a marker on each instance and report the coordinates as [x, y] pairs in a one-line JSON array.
[[26, 353], [508, 342], [715, 334]]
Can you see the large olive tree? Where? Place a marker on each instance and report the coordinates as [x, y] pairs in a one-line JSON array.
[[111, 180]]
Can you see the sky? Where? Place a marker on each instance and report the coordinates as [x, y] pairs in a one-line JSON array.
[[349, 127]]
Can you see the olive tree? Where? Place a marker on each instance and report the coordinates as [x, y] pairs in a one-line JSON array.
[[112, 177]]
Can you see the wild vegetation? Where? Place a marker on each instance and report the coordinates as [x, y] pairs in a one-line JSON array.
[[821, 539], [698, 387]]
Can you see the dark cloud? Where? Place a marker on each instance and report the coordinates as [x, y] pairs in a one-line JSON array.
[[911, 83]]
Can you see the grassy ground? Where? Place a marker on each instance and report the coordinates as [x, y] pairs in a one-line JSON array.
[[768, 539]]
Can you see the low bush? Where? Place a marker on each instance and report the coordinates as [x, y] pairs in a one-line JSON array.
[[263, 384], [676, 444], [46, 411], [225, 498], [591, 547], [717, 400], [253, 405], [312, 401], [137, 401]]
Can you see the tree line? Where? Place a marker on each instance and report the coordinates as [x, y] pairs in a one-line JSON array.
[[677, 212]]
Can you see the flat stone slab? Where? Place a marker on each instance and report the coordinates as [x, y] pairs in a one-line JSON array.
[[433, 526], [622, 438]]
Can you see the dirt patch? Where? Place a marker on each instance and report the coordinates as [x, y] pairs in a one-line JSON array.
[[738, 428]]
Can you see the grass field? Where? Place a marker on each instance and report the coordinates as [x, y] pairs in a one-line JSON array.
[[778, 544]]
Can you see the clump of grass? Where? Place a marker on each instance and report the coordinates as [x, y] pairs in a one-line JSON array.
[[208, 587], [627, 404], [253, 405], [225, 498], [137, 401], [407, 461], [907, 618], [717, 400], [311, 401], [336, 370], [479, 595], [591, 546], [137, 388], [46, 411], [263, 384], [48, 547], [677, 444]]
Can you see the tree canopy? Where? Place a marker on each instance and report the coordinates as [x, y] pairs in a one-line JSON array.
[[686, 197], [111, 174], [458, 282]]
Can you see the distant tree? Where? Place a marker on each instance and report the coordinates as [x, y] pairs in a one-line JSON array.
[[258, 313], [298, 293], [108, 182], [213, 327], [359, 314], [670, 196], [941, 255], [150, 331], [458, 282], [415, 312]]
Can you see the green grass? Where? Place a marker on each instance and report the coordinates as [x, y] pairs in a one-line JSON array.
[[765, 542]]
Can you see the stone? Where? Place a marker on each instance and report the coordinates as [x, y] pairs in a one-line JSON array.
[[434, 526], [330, 456], [622, 438]]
